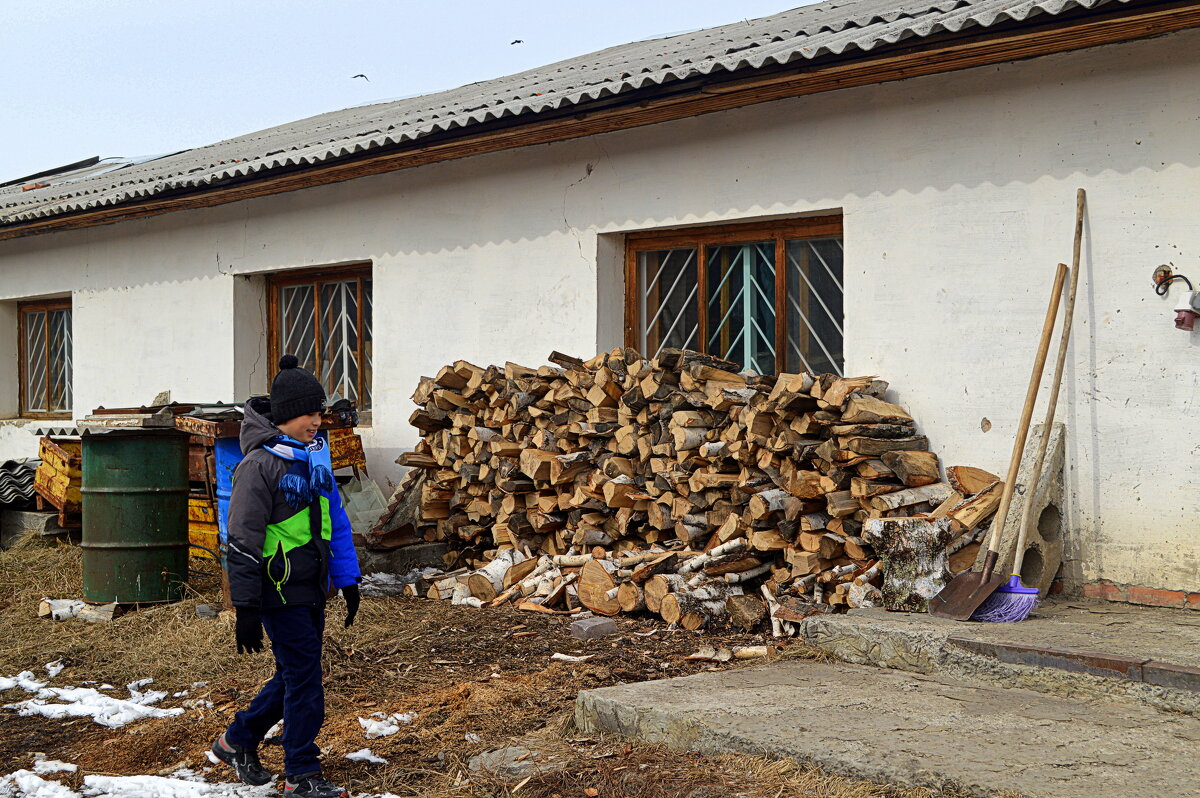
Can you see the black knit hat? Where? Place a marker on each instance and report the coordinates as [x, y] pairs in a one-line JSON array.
[[295, 392]]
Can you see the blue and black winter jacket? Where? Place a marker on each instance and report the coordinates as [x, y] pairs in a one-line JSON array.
[[278, 553]]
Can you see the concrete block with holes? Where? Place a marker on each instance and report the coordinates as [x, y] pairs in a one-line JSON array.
[[1044, 546]]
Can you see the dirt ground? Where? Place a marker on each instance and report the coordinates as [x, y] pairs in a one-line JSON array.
[[477, 680]]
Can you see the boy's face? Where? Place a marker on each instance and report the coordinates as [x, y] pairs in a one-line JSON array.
[[302, 428]]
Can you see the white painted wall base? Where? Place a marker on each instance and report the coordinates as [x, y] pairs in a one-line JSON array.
[[957, 192]]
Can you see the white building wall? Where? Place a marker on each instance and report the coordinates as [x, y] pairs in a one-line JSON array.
[[957, 193]]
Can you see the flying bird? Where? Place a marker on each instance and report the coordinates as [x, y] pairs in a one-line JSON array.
[[360, 75], [517, 41]]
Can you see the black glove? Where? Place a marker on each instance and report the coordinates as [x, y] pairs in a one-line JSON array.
[[353, 599], [248, 630]]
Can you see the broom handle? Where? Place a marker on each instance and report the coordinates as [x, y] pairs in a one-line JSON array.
[[1014, 463], [1047, 425]]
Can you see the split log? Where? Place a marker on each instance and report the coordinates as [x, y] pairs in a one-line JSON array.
[[974, 511], [861, 409], [913, 468], [745, 612], [968, 480]]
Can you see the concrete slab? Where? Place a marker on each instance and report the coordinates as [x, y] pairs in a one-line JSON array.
[[1069, 646], [17, 524], [403, 559], [910, 730]]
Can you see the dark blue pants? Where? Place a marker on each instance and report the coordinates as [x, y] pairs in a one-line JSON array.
[[294, 693]]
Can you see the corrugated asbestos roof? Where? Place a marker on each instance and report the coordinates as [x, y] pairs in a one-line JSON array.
[[836, 27], [16, 481]]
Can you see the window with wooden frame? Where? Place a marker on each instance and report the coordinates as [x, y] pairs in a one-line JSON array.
[[766, 296], [45, 358], [324, 319]]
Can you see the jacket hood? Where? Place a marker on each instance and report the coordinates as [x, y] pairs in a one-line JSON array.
[[257, 428]]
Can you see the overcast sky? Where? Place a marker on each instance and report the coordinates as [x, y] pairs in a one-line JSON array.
[[140, 77]]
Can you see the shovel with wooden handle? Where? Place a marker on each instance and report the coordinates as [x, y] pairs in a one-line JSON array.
[[965, 592]]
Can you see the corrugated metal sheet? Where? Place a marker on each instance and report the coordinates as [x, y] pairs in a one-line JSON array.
[[16, 481], [830, 28]]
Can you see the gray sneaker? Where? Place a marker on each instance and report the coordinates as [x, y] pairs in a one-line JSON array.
[[243, 761], [312, 785]]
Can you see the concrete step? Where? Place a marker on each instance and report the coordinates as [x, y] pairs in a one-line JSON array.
[[1072, 646], [911, 730]]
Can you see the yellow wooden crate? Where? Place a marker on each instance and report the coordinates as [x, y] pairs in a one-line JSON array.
[[201, 510], [346, 449], [202, 525], [205, 535], [58, 488], [64, 456]]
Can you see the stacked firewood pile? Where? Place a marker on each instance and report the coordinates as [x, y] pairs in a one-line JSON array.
[[673, 485]]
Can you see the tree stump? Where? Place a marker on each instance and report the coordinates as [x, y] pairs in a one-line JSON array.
[[912, 553]]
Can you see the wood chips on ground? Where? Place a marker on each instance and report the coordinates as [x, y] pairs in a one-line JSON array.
[[477, 680]]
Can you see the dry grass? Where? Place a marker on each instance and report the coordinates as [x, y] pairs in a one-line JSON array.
[[168, 643], [463, 671]]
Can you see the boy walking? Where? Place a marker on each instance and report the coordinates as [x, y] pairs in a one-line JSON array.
[[290, 546]]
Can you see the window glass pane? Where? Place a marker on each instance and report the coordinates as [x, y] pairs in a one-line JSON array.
[[296, 324], [339, 339], [35, 362], [814, 309], [741, 304], [367, 347], [60, 361], [668, 308]]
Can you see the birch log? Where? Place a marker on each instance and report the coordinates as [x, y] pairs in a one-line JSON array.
[[912, 557]]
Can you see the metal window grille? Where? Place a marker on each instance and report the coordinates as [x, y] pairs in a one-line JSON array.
[[766, 297], [814, 306], [325, 319], [46, 354]]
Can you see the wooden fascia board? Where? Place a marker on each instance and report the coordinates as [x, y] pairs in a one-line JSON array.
[[1054, 36]]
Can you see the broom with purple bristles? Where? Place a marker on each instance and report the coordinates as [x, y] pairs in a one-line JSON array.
[[1014, 601]]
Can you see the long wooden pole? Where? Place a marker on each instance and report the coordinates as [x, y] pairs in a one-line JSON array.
[[1014, 463], [1048, 424]]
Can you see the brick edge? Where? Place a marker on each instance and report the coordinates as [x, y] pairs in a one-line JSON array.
[[1138, 594]]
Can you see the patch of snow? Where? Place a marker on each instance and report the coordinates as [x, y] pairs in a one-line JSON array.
[[24, 680], [381, 725], [27, 784], [365, 755], [84, 702], [180, 694], [471, 737], [43, 767], [54, 668], [138, 685], [164, 787], [198, 685]]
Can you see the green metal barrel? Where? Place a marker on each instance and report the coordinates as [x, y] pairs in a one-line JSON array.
[[135, 522]]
